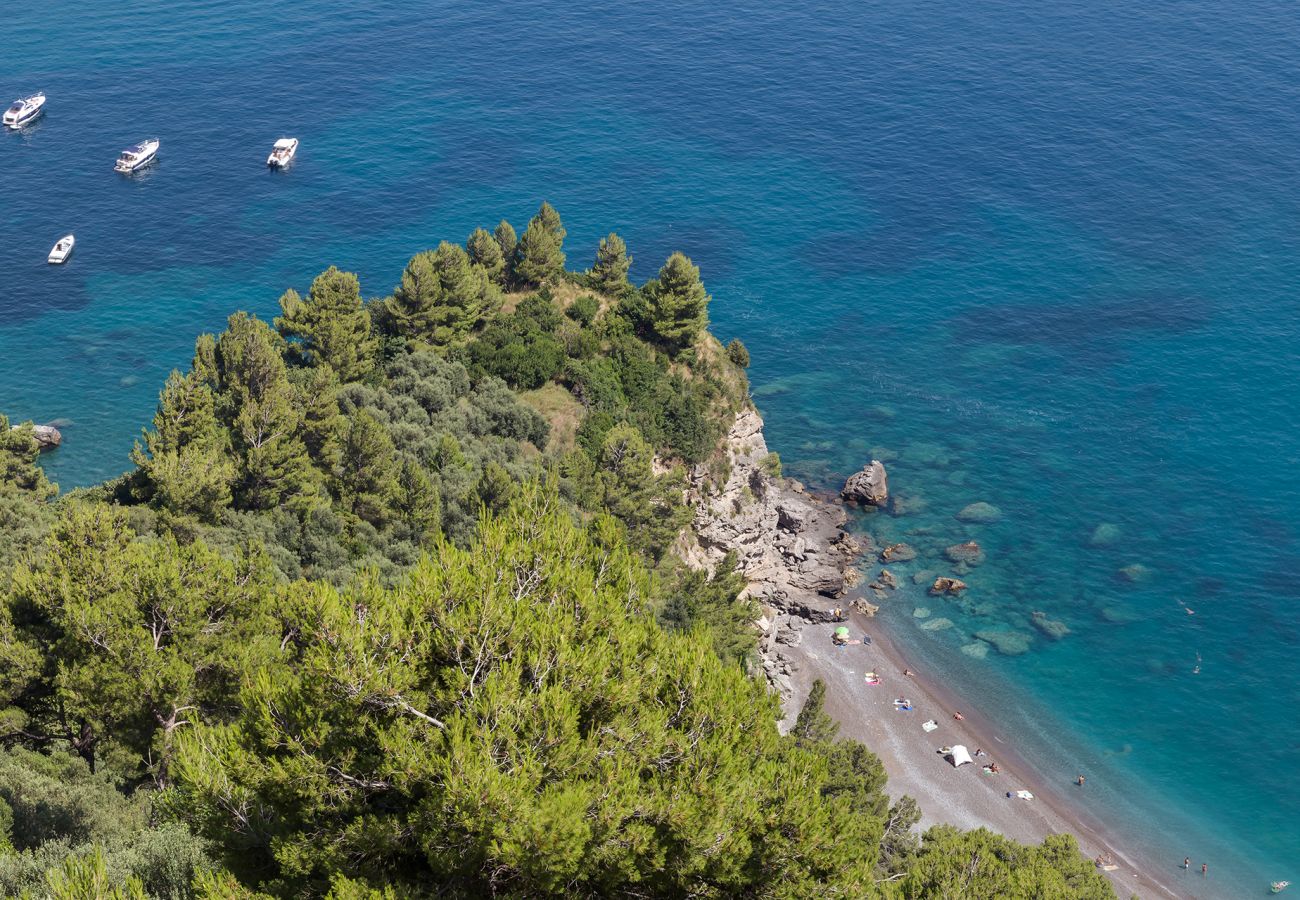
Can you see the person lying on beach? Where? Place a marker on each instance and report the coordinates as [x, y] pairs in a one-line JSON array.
[[958, 716], [979, 752]]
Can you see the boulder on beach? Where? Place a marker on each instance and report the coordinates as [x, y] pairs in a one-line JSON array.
[[937, 625], [47, 436], [898, 553], [869, 486], [1052, 628], [1104, 535], [1008, 643], [970, 553], [944, 585], [979, 514]]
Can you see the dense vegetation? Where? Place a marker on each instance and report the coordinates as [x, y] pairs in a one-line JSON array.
[[388, 607]]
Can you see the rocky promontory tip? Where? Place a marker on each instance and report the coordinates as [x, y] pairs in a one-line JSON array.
[[869, 486]]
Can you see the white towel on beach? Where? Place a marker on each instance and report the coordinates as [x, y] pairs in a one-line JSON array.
[[930, 725], [1024, 795]]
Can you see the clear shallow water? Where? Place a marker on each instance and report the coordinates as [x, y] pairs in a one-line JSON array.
[[1039, 257]]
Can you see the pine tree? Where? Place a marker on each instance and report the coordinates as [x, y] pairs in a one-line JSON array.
[[19, 467], [538, 257], [550, 220], [484, 251], [647, 504], [331, 326], [814, 725], [365, 478], [416, 502], [261, 409], [612, 265], [678, 303], [442, 297], [507, 240], [547, 737]]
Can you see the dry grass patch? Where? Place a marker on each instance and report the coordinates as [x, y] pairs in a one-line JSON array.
[[561, 411]]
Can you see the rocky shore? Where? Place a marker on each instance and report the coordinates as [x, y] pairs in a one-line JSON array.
[[790, 545], [798, 558]]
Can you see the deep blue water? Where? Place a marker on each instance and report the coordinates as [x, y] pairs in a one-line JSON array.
[[1041, 255]]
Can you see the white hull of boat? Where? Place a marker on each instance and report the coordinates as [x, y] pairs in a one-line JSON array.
[[31, 111], [283, 153], [147, 153], [60, 252]]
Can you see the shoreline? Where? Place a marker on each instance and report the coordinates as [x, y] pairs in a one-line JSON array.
[[965, 797]]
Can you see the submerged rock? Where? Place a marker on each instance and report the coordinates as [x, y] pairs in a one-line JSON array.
[[1008, 643], [947, 586], [923, 577], [921, 612], [969, 553], [870, 486], [1135, 573], [937, 625], [1104, 535], [926, 454], [898, 553], [1052, 628], [1118, 615], [976, 650], [979, 514]]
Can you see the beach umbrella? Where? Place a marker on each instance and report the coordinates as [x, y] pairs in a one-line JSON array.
[[842, 631]]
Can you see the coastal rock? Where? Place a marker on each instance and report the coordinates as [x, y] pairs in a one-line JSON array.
[[1052, 628], [969, 553], [979, 514], [947, 586], [898, 553], [47, 436], [1008, 643], [1105, 535], [887, 579], [862, 606], [790, 546], [869, 486], [939, 624]]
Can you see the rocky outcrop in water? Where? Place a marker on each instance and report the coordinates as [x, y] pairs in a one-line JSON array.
[[944, 585], [869, 486], [47, 436]]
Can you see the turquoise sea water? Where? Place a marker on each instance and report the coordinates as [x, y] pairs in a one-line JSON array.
[[1040, 255]]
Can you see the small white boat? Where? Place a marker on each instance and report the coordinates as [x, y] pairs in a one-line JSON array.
[[24, 110], [60, 252], [1278, 887], [282, 153], [137, 157]]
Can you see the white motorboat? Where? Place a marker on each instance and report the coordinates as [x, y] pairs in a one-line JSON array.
[[60, 252], [282, 153], [24, 110], [137, 157]]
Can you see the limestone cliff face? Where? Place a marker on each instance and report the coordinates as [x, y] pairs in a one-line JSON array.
[[792, 547]]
